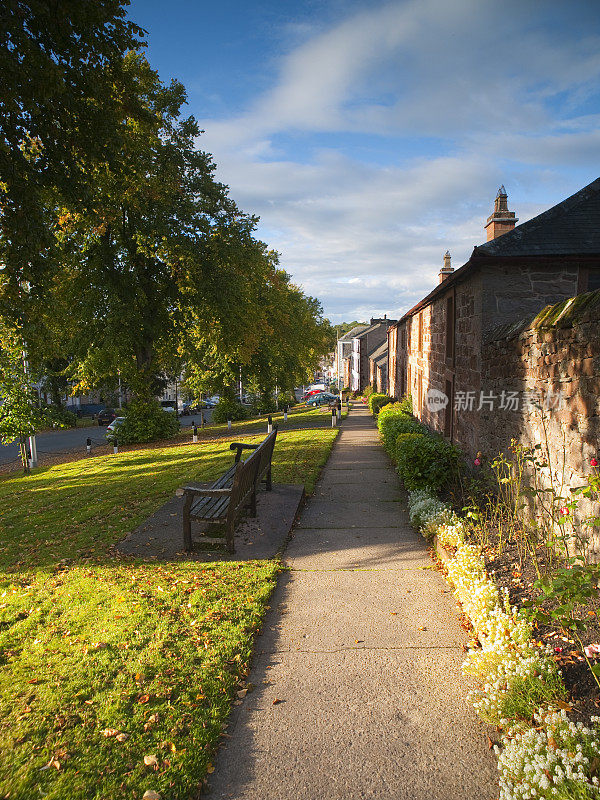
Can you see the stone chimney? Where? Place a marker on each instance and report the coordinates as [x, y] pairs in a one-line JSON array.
[[502, 220], [447, 269]]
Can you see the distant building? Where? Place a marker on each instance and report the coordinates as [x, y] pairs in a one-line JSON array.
[[363, 345], [343, 354]]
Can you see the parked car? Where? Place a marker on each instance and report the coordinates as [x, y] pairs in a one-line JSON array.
[[211, 402], [193, 408], [113, 428], [321, 399], [168, 405], [312, 393], [106, 416]]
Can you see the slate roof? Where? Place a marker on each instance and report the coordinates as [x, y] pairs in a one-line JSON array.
[[570, 228], [373, 327], [379, 351], [352, 333]]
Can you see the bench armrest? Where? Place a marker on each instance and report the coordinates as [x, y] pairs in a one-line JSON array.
[[242, 446], [192, 490]]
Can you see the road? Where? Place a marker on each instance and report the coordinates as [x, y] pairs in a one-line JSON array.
[[71, 439]]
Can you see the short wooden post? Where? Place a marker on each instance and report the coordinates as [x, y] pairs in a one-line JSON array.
[[195, 436], [228, 424], [269, 424], [333, 418], [88, 446]]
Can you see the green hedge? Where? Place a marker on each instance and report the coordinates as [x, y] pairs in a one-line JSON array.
[[228, 409], [426, 461], [377, 401], [392, 420], [146, 421]]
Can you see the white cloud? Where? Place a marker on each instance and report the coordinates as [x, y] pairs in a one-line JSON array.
[[503, 92]]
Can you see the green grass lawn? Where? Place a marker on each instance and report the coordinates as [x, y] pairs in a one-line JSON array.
[[105, 662]]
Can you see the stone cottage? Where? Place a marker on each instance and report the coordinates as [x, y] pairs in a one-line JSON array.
[[378, 367], [437, 350]]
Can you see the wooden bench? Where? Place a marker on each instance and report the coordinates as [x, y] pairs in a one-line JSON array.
[[226, 499]]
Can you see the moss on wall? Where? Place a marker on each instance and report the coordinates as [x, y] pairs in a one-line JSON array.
[[568, 312]]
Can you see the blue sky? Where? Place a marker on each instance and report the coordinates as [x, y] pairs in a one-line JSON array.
[[370, 137]]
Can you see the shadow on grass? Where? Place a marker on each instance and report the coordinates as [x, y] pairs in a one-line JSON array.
[[78, 509]]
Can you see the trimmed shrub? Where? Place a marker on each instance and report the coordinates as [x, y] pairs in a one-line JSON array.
[[146, 421], [377, 401], [56, 417], [393, 420], [425, 461], [406, 404], [367, 392], [228, 409]]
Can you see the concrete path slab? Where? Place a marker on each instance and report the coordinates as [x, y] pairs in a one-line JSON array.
[[356, 688], [366, 514]]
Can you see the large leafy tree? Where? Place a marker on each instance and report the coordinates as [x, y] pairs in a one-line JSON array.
[[62, 94], [163, 248]]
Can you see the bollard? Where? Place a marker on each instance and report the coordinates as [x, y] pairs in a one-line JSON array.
[[285, 410], [338, 408], [333, 417], [269, 424], [88, 446], [115, 447], [228, 424], [195, 438]]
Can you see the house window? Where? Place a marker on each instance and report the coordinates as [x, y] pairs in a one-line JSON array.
[[450, 327]]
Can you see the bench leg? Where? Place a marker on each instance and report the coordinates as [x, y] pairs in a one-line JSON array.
[[229, 536], [187, 527]]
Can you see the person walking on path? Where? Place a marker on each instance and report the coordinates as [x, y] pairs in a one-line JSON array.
[[357, 683]]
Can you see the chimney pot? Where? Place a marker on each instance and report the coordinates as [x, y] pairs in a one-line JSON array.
[[502, 220], [447, 269]]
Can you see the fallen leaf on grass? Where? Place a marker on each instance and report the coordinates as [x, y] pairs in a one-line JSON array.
[[122, 737], [145, 698], [150, 794], [151, 761], [52, 763], [108, 732]]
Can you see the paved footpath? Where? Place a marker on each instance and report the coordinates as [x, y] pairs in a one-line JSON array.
[[358, 691]]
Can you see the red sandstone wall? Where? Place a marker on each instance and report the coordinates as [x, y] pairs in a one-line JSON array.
[[559, 361]]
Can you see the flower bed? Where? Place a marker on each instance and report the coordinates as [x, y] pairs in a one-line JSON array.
[[542, 753]]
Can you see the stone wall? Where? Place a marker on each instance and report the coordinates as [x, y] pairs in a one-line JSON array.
[[552, 363]]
